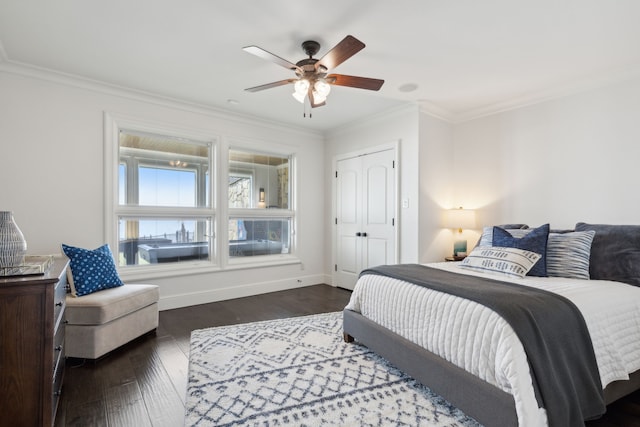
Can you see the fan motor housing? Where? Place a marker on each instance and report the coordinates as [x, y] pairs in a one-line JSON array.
[[307, 64], [310, 47]]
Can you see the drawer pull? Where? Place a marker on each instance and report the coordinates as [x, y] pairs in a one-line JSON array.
[[57, 393], [59, 304], [58, 348]]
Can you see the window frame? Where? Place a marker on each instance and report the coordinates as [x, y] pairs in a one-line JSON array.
[[217, 192], [113, 210], [257, 213]]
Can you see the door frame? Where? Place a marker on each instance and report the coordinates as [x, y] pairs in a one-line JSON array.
[[395, 147]]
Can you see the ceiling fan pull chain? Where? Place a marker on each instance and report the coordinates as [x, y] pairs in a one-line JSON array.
[[304, 110]]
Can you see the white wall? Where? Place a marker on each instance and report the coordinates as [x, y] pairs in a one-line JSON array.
[[562, 161], [51, 154], [437, 180], [395, 126]]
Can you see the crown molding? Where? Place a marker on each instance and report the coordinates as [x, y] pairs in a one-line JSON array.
[[75, 81], [431, 109], [559, 91], [424, 106], [408, 107]]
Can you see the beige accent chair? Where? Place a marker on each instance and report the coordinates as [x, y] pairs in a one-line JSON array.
[[103, 321]]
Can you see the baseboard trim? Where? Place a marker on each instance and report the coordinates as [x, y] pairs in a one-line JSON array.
[[237, 291]]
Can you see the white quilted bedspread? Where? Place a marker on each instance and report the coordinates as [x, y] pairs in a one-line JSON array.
[[475, 338]]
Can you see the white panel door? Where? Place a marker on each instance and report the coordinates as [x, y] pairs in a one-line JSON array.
[[349, 212], [365, 209]]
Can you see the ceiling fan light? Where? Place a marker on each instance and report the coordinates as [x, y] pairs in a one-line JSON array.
[[318, 97], [299, 96], [322, 88], [301, 86]]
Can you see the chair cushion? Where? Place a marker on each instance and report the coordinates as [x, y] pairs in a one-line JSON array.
[[109, 304]]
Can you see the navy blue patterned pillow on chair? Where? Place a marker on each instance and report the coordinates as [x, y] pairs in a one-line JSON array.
[[534, 241], [91, 270]]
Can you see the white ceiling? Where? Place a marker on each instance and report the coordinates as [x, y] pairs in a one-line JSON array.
[[466, 57]]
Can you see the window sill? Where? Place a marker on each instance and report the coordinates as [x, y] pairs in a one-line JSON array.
[[140, 273]]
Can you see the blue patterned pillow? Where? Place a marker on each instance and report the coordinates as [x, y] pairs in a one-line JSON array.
[[534, 241], [91, 271], [486, 239]]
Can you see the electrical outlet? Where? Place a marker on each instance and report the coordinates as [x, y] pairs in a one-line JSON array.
[[405, 203]]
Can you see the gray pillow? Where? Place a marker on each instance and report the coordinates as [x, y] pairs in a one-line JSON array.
[[615, 252]]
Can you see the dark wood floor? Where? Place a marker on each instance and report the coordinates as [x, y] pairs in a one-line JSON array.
[[144, 382]]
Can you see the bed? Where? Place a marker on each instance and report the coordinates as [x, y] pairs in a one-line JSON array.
[[473, 357]]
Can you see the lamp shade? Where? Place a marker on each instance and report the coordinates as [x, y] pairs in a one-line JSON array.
[[461, 219]]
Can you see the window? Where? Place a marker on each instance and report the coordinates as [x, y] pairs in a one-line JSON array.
[[168, 193], [260, 218], [164, 212]]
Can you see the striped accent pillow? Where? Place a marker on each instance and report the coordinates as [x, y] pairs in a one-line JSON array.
[[568, 254], [511, 262]]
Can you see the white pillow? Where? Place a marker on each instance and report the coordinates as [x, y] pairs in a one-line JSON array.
[[512, 262]]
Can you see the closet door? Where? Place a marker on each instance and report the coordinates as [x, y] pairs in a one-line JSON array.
[[365, 209]]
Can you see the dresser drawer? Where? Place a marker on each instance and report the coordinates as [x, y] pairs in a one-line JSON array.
[[59, 299], [58, 375], [58, 345]]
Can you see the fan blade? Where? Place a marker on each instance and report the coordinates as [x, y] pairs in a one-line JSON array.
[[261, 53], [354, 81], [312, 99], [344, 50], [270, 85]]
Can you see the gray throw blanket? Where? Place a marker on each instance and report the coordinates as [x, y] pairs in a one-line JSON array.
[[552, 330]]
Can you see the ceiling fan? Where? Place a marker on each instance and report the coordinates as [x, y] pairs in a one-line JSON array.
[[312, 79]]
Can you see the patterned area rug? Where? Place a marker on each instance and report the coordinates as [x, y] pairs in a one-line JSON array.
[[299, 372]]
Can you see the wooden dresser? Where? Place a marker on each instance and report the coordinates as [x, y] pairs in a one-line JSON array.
[[32, 346]]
